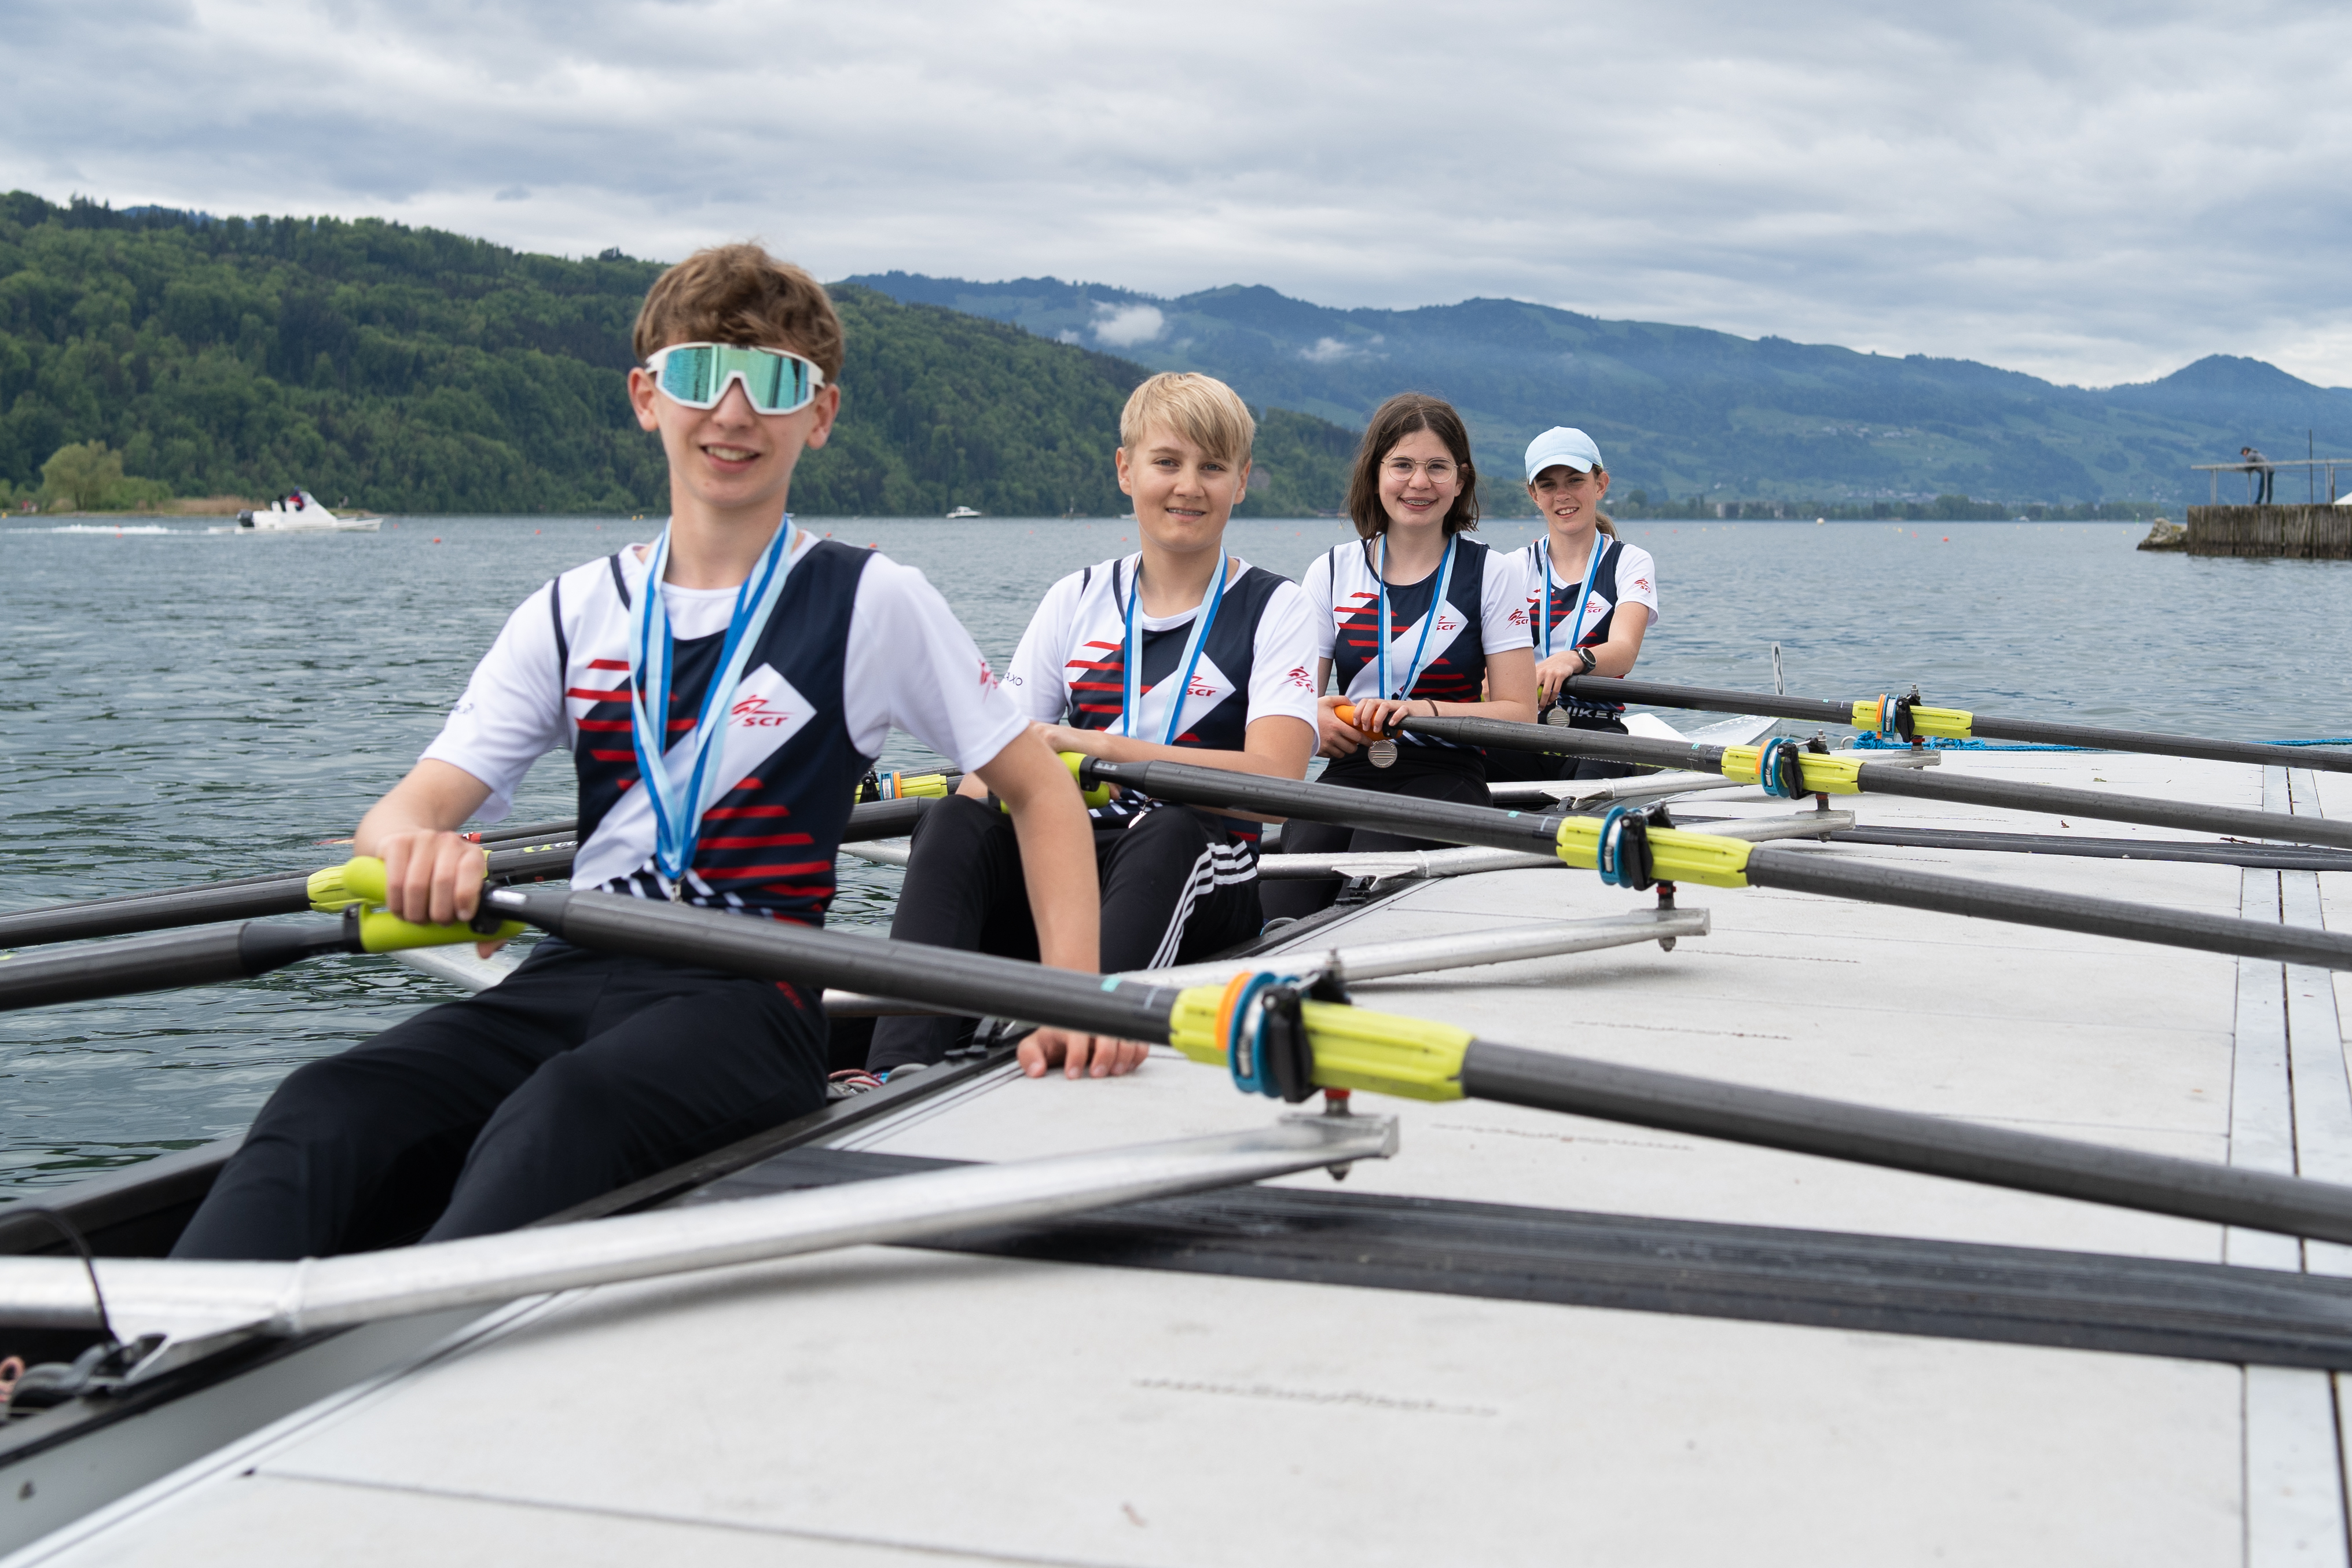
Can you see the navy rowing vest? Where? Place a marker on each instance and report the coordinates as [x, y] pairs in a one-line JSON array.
[[768, 843]]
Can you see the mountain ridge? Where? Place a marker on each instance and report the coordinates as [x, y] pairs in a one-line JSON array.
[[1692, 411]]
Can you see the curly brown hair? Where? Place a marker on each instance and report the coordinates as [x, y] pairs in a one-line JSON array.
[[1392, 423], [740, 294]]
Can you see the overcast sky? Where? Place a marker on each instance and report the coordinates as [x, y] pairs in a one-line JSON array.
[[2093, 192]]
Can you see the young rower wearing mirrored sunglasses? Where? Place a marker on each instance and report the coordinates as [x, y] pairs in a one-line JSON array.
[[721, 692]]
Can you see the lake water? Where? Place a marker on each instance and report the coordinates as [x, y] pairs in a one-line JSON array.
[[190, 706]]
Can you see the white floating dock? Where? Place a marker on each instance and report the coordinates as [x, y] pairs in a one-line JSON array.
[[886, 1406]]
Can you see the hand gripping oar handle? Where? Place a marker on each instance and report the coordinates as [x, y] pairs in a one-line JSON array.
[[1955, 724], [1677, 855], [1412, 1058], [167, 961], [252, 897], [248, 898], [1851, 776]]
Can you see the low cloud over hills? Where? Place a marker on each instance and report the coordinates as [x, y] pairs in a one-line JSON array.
[[1690, 410]]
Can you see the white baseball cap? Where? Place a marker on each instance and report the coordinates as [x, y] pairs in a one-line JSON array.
[[1562, 445]]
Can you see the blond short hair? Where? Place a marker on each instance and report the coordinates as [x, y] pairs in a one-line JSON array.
[[740, 294], [1201, 409]]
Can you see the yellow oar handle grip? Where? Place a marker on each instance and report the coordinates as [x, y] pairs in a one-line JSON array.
[[910, 785], [1823, 775], [1099, 795], [1941, 723], [383, 932], [1381, 1053], [1674, 855], [360, 881]]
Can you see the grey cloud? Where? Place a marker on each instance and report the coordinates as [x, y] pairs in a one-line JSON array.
[[2096, 193]]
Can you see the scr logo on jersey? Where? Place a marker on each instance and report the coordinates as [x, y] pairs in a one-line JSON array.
[[753, 712], [1518, 616], [987, 676], [1299, 678]]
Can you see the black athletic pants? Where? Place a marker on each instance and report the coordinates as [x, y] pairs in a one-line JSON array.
[[578, 1074], [1524, 766], [964, 889], [1452, 777]]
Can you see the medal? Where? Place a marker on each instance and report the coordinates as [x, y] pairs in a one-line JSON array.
[[1383, 753], [1556, 716]]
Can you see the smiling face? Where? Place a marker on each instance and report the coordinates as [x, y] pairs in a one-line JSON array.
[[730, 462], [1569, 500], [1182, 495], [1419, 480]]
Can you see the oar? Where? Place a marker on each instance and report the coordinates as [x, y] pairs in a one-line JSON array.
[[1673, 855], [1329, 1045], [170, 960], [1848, 776], [1906, 718], [247, 898], [290, 892]]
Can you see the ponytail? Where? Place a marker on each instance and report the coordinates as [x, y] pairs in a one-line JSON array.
[[1606, 524]]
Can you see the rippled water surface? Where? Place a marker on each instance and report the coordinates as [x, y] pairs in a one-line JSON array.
[[189, 706]]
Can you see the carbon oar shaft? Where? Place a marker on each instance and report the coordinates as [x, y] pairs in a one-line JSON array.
[[1875, 882], [252, 897], [1989, 726], [166, 962], [1495, 827], [1770, 866], [1914, 783], [1902, 1140], [1864, 1134], [780, 950]]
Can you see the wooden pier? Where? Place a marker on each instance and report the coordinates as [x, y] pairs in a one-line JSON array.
[[2298, 533]]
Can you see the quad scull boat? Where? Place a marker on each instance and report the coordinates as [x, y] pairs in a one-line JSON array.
[[1795, 1304]]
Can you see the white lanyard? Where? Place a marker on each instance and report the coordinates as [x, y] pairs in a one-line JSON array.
[[1130, 695], [679, 802], [1591, 571], [1437, 603]]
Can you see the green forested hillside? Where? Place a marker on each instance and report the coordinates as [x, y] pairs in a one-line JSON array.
[[416, 370]]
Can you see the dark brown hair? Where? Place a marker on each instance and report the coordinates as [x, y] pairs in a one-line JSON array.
[[740, 294], [1395, 420]]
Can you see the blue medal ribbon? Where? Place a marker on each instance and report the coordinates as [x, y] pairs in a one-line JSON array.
[[1437, 603], [1591, 571], [1130, 696], [680, 783]]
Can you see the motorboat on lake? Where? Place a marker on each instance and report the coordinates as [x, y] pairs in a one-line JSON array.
[[303, 513]]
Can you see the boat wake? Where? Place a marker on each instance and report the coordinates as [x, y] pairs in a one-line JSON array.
[[103, 529]]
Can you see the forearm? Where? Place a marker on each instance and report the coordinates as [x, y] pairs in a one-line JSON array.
[[434, 798], [1492, 707], [1125, 748]]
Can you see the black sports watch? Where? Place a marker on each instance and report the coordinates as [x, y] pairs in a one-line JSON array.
[[1591, 663]]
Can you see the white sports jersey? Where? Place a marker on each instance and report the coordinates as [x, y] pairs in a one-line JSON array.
[[1485, 613], [1257, 660], [860, 644], [1624, 575]]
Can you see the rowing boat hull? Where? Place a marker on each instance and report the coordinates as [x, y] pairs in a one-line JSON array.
[[1471, 1351]]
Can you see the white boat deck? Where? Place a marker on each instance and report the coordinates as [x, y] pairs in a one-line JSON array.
[[887, 1405]]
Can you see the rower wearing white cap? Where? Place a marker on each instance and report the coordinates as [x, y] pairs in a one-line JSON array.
[[1580, 577]]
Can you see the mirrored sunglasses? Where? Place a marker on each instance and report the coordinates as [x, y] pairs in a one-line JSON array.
[[695, 375]]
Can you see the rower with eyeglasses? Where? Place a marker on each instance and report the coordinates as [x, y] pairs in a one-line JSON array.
[[1580, 576], [1416, 617]]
